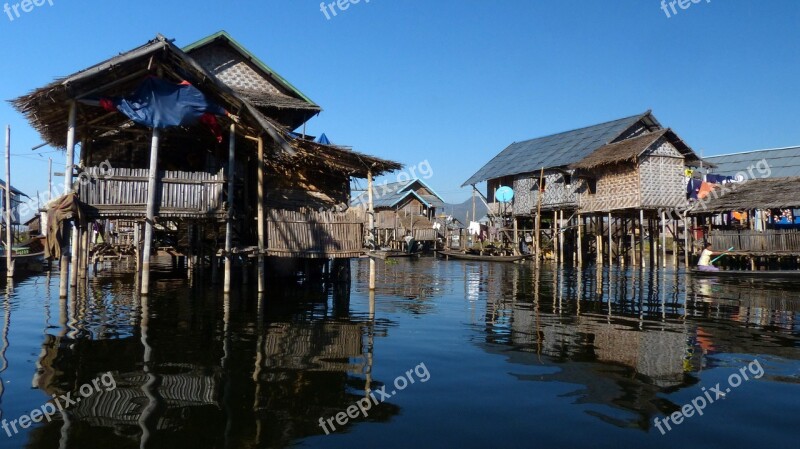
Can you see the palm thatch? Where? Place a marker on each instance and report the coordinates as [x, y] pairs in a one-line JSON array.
[[47, 108], [630, 150], [766, 193]]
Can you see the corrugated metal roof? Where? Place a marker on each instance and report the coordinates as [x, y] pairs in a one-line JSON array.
[[783, 162], [557, 150], [389, 195]]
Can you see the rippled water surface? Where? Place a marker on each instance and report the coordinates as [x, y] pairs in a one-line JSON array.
[[469, 354]]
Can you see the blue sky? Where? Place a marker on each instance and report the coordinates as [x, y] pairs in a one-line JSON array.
[[454, 82]]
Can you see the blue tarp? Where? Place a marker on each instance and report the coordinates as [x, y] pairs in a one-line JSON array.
[[158, 103]]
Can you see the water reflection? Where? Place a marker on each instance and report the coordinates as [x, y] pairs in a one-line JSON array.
[[194, 367]]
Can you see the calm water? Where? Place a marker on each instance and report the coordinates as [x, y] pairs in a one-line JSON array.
[[500, 355]]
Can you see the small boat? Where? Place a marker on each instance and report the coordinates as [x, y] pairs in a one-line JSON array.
[[27, 258], [392, 254], [746, 273], [480, 257]]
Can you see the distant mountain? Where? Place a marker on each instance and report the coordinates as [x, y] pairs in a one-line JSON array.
[[462, 210]]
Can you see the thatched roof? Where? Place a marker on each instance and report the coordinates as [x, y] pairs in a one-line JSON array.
[[47, 108], [630, 150], [765, 193]]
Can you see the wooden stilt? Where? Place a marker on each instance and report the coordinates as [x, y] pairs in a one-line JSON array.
[[599, 237], [561, 236], [83, 267], [686, 243], [152, 187], [75, 256], [641, 238], [137, 242], [610, 242], [8, 211], [226, 288], [580, 241], [554, 229], [371, 227], [64, 263], [663, 239], [262, 280], [633, 243], [516, 235], [675, 244]]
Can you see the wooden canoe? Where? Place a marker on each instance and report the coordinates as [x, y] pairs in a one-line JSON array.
[[464, 256], [391, 254], [747, 273]]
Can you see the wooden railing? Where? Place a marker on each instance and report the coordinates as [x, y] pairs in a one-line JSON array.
[[311, 234], [770, 241], [119, 192]]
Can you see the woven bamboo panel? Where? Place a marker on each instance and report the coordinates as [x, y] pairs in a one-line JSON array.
[[662, 176], [617, 188], [121, 192], [229, 67], [315, 234]]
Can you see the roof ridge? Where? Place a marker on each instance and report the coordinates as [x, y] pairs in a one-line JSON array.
[[585, 127], [753, 151]]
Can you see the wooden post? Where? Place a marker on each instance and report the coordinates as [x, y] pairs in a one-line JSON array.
[[262, 280], [83, 260], [554, 229], [70, 159], [561, 235], [633, 243], [598, 232], [663, 239], [9, 241], [539, 216], [371, 227], [675, 244], [641, 238], [685, 243], [516, 235], [226, 288], [610, 242], [580, 243], [151, 211], [137, 239]]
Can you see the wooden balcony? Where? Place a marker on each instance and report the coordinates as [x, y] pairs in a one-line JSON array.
[[122, 193]]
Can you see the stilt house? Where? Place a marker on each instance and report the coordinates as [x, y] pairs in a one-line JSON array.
[[199, 143]]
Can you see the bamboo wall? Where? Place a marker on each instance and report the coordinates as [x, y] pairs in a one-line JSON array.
[[757, 242], [122, 192], [656, 181], [313, 235]]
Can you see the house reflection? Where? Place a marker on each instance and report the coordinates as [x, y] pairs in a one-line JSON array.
[[202, 369]]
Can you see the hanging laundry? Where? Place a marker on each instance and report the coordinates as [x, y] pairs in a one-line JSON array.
[[705, 189]]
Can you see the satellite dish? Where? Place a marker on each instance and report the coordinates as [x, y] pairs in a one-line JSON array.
[[504, 194]]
